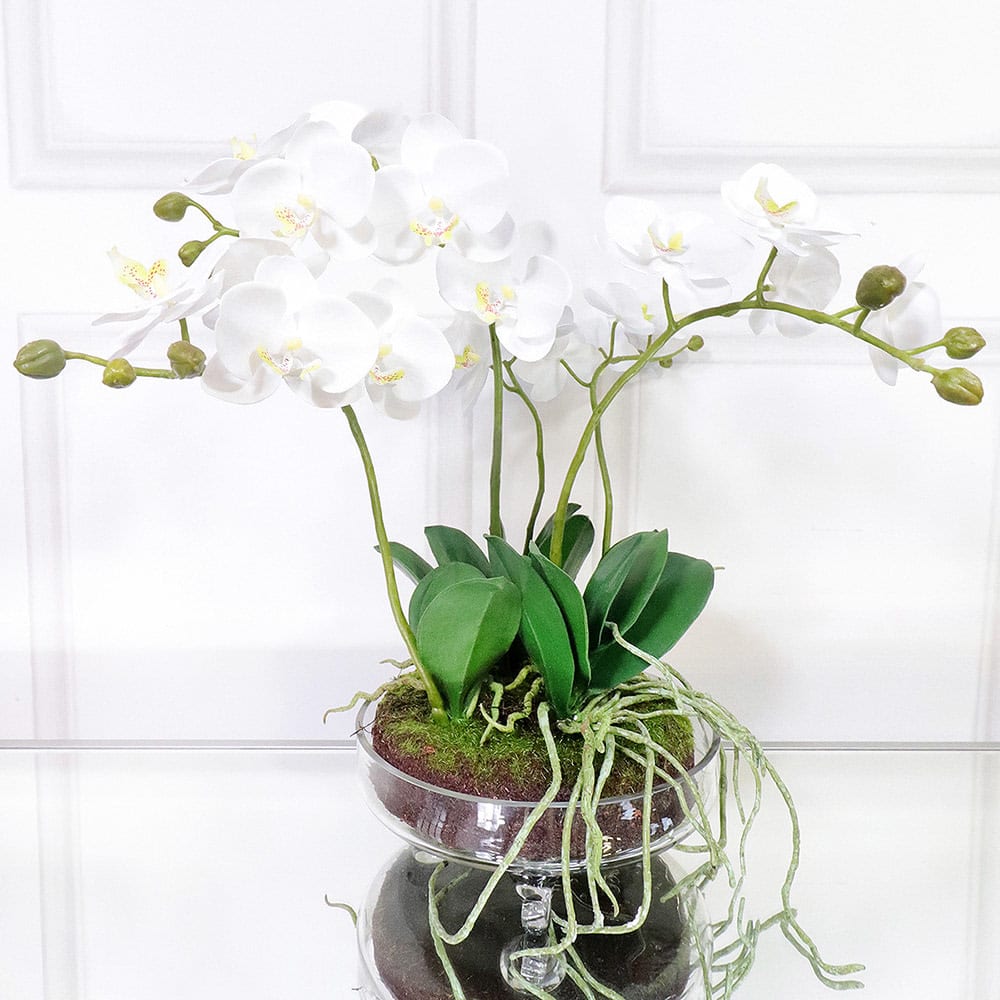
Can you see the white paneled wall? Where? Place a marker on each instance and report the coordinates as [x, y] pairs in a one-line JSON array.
[[173, 567]]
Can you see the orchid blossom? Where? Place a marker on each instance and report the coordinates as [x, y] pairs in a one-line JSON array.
[[782, 209], [446, 190], [166, 302], [279, 328], [523, 312]]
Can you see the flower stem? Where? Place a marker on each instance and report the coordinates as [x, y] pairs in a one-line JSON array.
[[602, 463], [103, 362], [516, 387], [185, 336], [385, 550], [762, 277], [496, 461]]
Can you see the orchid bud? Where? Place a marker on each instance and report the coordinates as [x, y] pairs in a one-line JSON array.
[[696, 343], [171, 207], [191, 251], [879, 285], [186, 360], [118, 373], [963, 342], [40, 359], [666, 362], [958, 385]]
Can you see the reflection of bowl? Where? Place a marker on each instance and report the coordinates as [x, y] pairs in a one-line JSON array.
[[479, 831], [399, 962]]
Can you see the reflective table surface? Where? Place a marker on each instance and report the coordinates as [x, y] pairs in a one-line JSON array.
[[145, 871]]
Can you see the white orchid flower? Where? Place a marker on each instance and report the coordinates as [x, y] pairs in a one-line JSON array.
[[220, 175], [166, 302], [544, 379], [243, 256], [783, 210], [525, 312], [415, 360], [470, 346], [911, 320], [688, 245], [810, 282], [638, 316], [445, 190], [278, 329], [322, 187]]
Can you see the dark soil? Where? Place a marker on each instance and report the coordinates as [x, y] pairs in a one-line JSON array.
[[510, 767], [652, 963]]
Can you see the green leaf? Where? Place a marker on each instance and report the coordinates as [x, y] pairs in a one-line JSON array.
[[578, 537], [434, 582], [644, 570], [543, 629], [452, 545], [570, 602], [609, 576], [677, 600], [415, 566], [463, 632]]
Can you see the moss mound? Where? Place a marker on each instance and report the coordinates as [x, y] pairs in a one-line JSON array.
[[511, 765]]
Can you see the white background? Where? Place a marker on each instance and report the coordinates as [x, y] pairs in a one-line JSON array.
[[173, 567]]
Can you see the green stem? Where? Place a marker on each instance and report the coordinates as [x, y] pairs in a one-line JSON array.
[[518, 390], [185, 336], [649, 354], [762, 277], [496, 461], [103, 363], [385, 551], [602, 462]]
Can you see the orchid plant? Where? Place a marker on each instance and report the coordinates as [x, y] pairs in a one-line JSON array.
[[339, 186]]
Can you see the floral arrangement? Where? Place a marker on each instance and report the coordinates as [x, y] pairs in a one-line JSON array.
[[508, 623]]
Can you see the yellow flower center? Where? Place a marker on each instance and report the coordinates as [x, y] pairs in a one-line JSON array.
[[147, 282], [380, 377], [243, 149], [763, 198], [294, 220], [468, 358], [492, 303], [289, 365], [437, 226], [671, 246]]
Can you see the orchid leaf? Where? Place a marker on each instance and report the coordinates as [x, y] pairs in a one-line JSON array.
[[434, 582], [644, 571], [452, 545], [608, 579], [463, 632], [574, 613], [578, 539], [543, 628], [678, 598], [415, 566]]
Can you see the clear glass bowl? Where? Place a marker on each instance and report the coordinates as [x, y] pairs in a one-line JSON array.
[[478, 831], [398, 961]]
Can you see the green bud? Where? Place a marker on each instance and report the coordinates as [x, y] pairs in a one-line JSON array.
[[879, 285], [666, 362], [186, 360], [963, 342], [118, 373], [958, 385], [696, 343], [171, 207], [40, 359], [191, 251]]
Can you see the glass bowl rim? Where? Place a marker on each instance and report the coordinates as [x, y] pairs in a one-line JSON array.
[[365, 745]]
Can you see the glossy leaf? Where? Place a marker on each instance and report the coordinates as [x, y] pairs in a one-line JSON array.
[[452, 545], [644, 571], [434, 582], [607, 580], [543, 629], [677, 600], [570, 602], [415, 566], [463, 632], [578, 539]]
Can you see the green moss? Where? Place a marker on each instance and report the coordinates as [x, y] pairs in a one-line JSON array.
[[508, 765]]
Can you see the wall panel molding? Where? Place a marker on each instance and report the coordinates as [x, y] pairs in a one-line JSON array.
[[42, 156], [635, 162]]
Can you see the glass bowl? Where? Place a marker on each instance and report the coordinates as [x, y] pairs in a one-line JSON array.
[[479, 831]]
